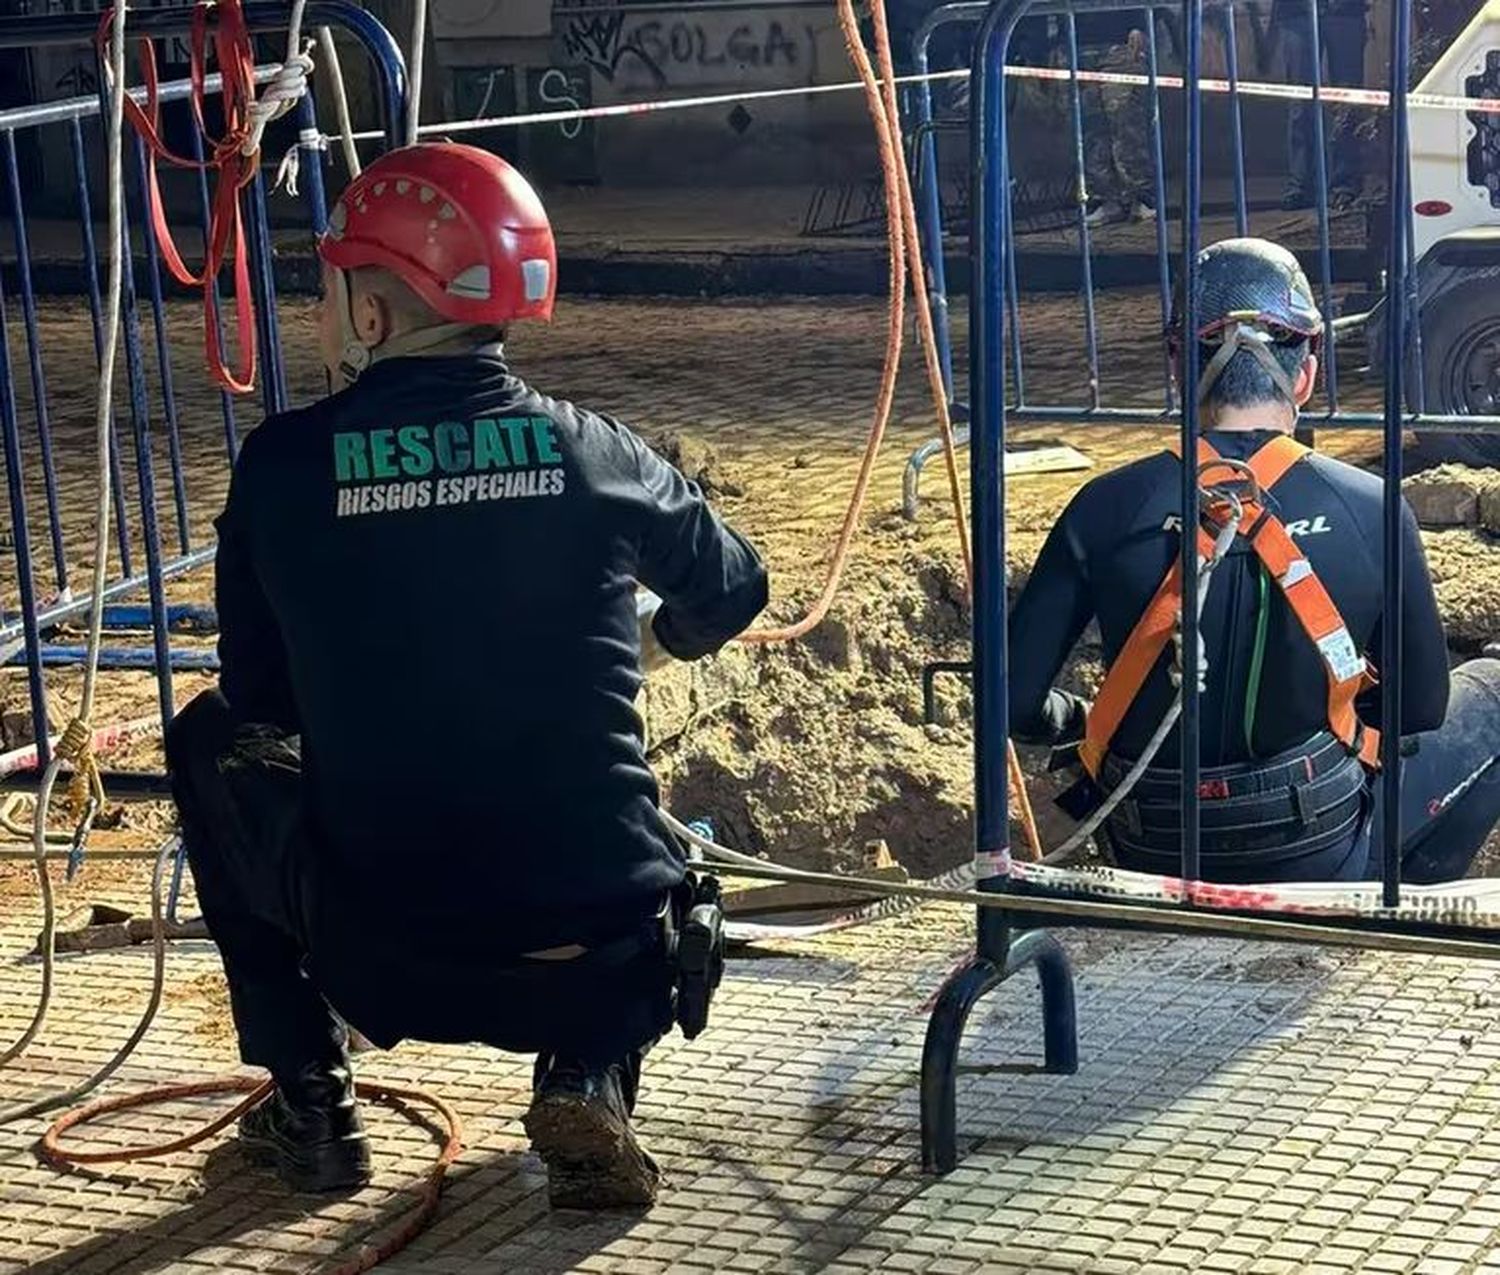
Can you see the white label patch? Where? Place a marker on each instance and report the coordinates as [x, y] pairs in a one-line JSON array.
[[1344, 662], [536, 278]]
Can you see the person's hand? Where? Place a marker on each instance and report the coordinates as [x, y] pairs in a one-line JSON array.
[[654, 656], [1078, 719]]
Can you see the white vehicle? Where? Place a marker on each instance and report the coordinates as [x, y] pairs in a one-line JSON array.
[[1455, 182]]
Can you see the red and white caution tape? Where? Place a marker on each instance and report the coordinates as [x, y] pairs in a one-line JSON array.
[[104, 738], [1331, 94]]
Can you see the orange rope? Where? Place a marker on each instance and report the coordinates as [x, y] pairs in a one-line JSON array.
[[412, 1222], [901, 236], [908, 215], [890, 164]]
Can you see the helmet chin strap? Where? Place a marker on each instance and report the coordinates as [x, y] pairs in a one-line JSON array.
[[1256, 342], [356, 357]]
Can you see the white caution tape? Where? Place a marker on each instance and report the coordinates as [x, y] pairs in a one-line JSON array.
[[1331, 94]]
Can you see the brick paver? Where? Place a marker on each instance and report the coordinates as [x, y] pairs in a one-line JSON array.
[[789, 1133]]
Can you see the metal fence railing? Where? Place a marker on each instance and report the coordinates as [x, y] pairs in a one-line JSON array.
[[1437, 410], [153, 531], [998, 399]]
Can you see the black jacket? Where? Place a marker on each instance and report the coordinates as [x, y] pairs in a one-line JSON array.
[[1107, 555], [431, 576]]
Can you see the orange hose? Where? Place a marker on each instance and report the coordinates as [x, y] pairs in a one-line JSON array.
[[908, 214], [890, 164], [410, 1223]]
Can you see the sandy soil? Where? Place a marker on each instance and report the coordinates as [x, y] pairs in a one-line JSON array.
[[804, 751]]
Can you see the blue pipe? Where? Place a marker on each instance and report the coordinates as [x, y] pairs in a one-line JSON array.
[[96, 315], [987, 252], [34, 356], [1085, 242], [16, 491], [930, 210], [964, 990], [1320, 196], [140, 416], [179, 615], [1395, 368], [312, 165], [1189, 723], [930, 206], [57, 612], [1159, 172], [163, 352], [1236, 119], [263, 282], [118, 657]]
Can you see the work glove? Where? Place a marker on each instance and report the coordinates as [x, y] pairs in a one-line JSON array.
[[654, 656], [1069, 714]]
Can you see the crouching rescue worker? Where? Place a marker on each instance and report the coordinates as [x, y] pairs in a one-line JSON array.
[[1291, 624], [419, 801]]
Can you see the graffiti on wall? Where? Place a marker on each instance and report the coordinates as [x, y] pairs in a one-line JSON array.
[[599, 42], [689, 50], [555, 91]]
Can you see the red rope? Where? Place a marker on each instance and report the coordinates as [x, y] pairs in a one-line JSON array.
[[235, 55], [369, 1254]]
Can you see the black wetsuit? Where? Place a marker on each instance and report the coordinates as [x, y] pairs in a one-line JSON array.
[[1109, 552], [431, 578]]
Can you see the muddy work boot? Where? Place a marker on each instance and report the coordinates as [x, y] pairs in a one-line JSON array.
[[579, 1123], [309, 1130]]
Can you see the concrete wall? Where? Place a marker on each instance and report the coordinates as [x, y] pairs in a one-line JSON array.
[[536, 55]]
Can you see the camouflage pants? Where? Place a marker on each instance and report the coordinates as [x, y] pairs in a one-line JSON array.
[[1117, 158]]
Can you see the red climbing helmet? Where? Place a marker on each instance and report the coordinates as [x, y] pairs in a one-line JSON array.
[[458, 225]]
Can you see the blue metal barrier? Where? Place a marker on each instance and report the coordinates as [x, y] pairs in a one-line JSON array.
[[26, 613], [1000, 948], [1094, 411]]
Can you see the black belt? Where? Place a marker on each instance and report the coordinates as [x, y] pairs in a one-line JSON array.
[[1297, 801]]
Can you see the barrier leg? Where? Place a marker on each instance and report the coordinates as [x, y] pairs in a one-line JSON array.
[[963, 990]]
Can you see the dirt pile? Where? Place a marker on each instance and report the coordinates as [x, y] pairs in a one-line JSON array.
[[1455, 496], [810, 749]]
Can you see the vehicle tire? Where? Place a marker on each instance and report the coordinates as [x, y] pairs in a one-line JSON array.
[[1461, 371]]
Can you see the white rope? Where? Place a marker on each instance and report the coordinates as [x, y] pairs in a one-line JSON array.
[[115, 71], [418, 58], [1329, 94], [1085, 830], [285, 88], [330, 54], [67, 1097], [311, 139]]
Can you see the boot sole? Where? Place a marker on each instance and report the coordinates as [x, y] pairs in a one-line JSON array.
[[303, 1176], [593, 1160]]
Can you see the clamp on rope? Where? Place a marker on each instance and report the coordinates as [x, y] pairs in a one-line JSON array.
[[85, 788]]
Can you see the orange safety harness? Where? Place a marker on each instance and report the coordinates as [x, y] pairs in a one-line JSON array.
[[1348, 672], [228, 157]]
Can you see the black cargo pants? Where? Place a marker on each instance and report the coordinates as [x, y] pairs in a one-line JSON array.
[[238, 790]]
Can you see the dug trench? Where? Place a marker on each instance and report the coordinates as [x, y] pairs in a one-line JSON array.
[[807, 753], [804, 751]]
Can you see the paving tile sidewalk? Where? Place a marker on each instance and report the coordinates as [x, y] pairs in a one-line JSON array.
[[1239, 1108]]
